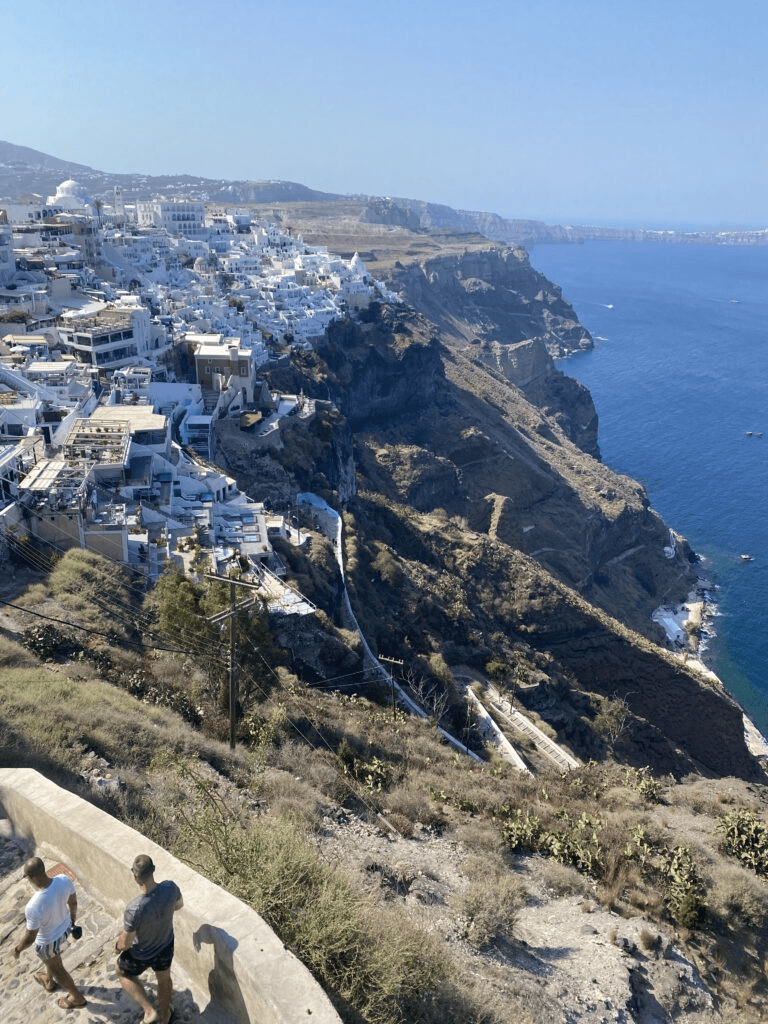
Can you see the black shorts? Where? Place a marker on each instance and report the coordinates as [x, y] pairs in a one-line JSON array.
[[132, 966]]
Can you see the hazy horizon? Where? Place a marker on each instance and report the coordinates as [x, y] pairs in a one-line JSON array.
[[535, 109]]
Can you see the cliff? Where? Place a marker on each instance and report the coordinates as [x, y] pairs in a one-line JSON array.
[[498, 311], [495, 293], [481, 532]]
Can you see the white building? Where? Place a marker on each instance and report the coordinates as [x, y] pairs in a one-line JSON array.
[[114, 336], [183, 217], [7, 259], [71, 197]]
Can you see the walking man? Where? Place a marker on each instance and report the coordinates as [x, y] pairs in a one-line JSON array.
[[50, 915], [147, 940]]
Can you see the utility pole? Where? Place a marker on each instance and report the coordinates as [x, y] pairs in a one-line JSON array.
[[232, 681], [221, 617], [392, 661]]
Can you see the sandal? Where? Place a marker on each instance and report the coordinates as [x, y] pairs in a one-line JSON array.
[[48, 983], [67, 1003]]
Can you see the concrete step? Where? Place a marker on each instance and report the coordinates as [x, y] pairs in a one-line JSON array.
[[90, 960]]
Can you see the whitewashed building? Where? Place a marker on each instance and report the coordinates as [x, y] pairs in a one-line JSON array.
[[185, 217]]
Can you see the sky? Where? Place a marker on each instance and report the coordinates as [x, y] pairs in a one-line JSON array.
[[572, 111]]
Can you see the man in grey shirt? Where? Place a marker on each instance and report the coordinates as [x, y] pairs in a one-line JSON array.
[[147, 940]]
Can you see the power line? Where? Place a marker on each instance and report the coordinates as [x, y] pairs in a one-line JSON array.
[[38, 560], [90, 630]]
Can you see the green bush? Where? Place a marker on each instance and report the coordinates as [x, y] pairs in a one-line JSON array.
[[646, 784], [575, 843], [745, 835], [684, 888]]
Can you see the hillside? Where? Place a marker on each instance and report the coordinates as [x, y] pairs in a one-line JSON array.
[[481, 526], [417, 885]]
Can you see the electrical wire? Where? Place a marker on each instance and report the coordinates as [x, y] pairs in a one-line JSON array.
[[346, 779], [89, 629], [202, 648]]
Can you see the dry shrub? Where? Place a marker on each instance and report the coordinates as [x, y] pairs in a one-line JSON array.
[[738, 896], [625, 888], [622, 797], [628, 890], [290, 797], [401, 824], [326, 777], [491, 902], [410, 799], [12, 654], [476, 790], [180, 673], [288, 755], [479, 837], [708, 797], [34, 596], [563, 880], [648, 939]]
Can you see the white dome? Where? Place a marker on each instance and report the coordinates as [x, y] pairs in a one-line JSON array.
[[71, 195], [70, 187]]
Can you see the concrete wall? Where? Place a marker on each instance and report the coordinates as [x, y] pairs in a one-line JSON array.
[[236, 962]]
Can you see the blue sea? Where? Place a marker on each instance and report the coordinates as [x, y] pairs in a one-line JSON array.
[[679, 375]]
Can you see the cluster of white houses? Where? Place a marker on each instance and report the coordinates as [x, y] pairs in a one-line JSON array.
[[124, 335]]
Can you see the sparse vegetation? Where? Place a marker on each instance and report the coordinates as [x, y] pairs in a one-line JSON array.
[[612, 835]]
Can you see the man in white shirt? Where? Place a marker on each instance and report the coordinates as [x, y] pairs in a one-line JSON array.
[[50, 915]]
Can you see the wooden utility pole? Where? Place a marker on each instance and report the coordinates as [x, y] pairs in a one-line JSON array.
[[392, 661], [232, 680], [221, 617]]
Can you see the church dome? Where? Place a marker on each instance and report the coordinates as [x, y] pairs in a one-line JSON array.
[[70, 195], [70, 187]]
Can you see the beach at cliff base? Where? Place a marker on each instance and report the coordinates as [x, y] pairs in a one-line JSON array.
[[684, 625]]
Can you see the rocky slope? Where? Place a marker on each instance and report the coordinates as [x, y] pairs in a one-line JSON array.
[[481, 533]]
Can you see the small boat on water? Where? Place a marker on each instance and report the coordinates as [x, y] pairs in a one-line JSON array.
[[746, 558], [748, 433]]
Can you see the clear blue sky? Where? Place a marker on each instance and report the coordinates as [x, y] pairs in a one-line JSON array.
[[588, 111]]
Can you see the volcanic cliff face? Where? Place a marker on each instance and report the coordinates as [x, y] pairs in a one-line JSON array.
[[434, 428], [481, 529], [493, 536], [492, 305], [496, 296]]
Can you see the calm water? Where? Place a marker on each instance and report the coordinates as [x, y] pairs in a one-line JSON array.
[[679, 374]]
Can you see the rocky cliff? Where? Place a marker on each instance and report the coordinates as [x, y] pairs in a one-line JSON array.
[[481, 533], [496, 296], [496, 460], [502, 313]]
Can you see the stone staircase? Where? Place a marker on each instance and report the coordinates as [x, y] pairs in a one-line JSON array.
[[90, 960], [561, 758]]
